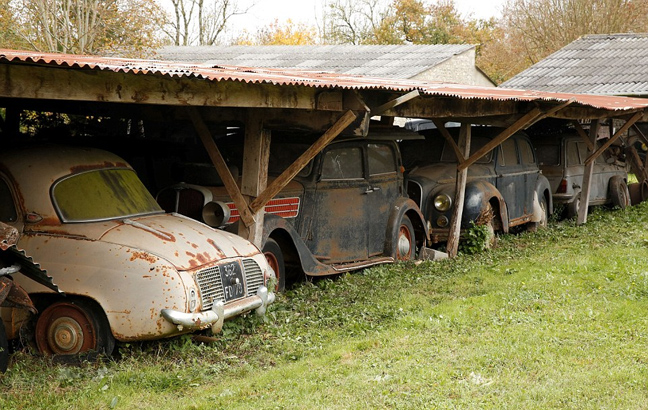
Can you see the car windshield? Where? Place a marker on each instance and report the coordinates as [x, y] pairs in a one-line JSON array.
[[102, 195]]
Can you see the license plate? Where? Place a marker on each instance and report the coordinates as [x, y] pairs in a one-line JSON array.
[[232, 279]]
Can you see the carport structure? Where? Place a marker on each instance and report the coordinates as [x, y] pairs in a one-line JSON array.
[[266, 100]]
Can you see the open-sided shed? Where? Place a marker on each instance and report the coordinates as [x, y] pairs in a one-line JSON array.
[[267, 99]]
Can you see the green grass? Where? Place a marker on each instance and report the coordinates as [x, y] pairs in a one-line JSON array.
[[555, 319]]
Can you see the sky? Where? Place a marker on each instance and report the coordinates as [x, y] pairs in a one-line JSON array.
[[266, 11]]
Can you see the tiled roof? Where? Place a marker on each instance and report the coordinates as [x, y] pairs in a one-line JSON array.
[[388, 61], [606, 64]]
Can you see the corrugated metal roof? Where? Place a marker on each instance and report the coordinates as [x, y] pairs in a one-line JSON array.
[[607, 64], [313, 79], [390, 61]]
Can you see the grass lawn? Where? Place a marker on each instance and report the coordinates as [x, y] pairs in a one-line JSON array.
[[554, 319]]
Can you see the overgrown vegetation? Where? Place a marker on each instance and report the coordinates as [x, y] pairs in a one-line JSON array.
[[553, 319]]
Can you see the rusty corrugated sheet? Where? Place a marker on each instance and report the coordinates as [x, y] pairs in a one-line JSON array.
[[313, 79]]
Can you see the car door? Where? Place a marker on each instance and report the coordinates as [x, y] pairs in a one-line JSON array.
[[385, 186], [511, 180], [531, 172], [338, 231]]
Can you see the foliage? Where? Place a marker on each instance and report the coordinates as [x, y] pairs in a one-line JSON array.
[[284, 34], [553, 319], [104, 27], [475, 239]]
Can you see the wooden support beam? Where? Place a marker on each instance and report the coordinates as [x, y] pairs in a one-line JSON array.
[[444, 132], [221, 167], [396, 102], [644, 140], [523, 122], [583, 135], [278, 184], [256, 155], [615, 137], [460, 194], [587, 178]]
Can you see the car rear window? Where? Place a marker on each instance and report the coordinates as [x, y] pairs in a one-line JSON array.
[[102, 195]]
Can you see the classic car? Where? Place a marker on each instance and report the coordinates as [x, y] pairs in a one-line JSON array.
[[504, 188], [345, 210], [129, 270], [562, 157]]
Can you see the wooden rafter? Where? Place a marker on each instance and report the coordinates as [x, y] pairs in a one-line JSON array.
[[278, 184], [221, 167], [583, 135], [615, 137], [396, 102], [444, 132]]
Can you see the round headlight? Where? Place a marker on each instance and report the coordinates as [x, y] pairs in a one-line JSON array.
[[442, 202]]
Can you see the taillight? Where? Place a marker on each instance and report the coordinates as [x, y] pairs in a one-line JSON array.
[[562, 188]]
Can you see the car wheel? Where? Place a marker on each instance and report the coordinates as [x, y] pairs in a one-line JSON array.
[[405, 241], [274, 256], [572, 207], [73, 327], [4, 348], [619, 192]]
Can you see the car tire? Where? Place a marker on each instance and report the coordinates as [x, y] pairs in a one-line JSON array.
[[274, 256], [405, 240], [572, 207], [73, 327], [4, 348], [619, 193], [542, 223]]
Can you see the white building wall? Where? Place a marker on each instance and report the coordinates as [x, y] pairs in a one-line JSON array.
[[458, 69]]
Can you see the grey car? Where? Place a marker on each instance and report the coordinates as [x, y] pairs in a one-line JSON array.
[[562, 157]]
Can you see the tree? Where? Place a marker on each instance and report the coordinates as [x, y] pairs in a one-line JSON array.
[[352, 21], [532, 29], [201, 22], [280, 34], [107, 27], [9, 38]]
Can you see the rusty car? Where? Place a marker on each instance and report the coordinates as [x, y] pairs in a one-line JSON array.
[[129, 270], [504, 189], [345, 210], [562, 160]]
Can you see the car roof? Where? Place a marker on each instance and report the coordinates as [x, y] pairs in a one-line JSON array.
[[33, 169]]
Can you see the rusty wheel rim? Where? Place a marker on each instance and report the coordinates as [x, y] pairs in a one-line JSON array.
[[65, 328], [274, 264], [404, 243]]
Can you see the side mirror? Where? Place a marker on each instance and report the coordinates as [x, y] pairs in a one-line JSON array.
[[216, 214]]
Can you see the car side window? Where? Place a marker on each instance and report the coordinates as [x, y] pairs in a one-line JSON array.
[[7, 207], [381, 159], [526, 152], [342, 163], [509, 154]]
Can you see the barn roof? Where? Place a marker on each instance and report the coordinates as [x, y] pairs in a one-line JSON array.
[[604, 64], [388, 61]]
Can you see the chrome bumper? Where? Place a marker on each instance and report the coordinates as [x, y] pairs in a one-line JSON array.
[[219, 312]]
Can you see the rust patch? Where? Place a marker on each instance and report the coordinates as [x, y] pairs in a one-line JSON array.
[[106, 164], [144, 256], [219, 252]]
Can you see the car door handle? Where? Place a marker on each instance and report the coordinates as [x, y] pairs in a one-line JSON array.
[[368, 190]]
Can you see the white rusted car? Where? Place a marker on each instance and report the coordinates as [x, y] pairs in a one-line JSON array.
[[129, 271]]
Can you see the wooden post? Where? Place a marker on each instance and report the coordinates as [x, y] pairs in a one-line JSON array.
[[587, 176], [256, 155], [460, 194]]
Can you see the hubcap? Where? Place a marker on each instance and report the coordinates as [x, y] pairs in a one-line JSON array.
[[65, 336], [404, 239]]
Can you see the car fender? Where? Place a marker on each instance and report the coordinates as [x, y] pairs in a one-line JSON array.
[[405, 206], [126, 277], [543, 188], [478, 195]]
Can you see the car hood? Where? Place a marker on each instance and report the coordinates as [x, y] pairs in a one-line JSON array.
[[444, 173], [184, 242]]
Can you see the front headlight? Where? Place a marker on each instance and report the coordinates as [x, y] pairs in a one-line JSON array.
[[442, 202]]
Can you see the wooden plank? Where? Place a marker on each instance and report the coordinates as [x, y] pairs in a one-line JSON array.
[[460, 195], [644, 140], [278, 184], [583, 135], [221, 167], [444, 132], [396, 102], [587, 178], [256, 155], [615, 137], [521, 123]]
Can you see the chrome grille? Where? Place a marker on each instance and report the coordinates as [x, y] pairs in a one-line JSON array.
[[211, 287], [253, 276]]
